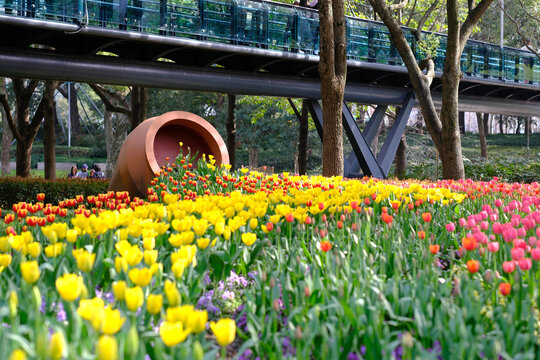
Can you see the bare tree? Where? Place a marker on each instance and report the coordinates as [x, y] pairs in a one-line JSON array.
[[444, 129], [333, 71], [7, 137]]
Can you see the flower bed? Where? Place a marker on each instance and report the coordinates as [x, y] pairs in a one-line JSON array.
[[239, 264]]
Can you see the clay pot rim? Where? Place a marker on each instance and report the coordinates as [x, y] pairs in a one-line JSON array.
[[188, 120]]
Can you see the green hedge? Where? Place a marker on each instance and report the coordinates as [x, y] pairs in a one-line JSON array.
[[14, 190]]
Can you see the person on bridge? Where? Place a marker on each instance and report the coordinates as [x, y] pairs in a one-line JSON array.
[[528, 62]]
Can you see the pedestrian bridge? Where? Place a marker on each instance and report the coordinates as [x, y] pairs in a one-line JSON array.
[[249, 47]]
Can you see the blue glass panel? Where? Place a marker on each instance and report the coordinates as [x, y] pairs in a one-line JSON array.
[[357, 39], [282, 27], [251, 24], [219, 20], [494, 62], [381, 44]]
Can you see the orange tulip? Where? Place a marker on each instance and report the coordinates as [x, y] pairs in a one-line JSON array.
[[473, 266]]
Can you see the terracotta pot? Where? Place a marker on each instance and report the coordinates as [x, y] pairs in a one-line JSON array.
[[146, 148]]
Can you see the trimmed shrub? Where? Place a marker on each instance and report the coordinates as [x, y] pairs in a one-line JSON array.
[[14, 190]]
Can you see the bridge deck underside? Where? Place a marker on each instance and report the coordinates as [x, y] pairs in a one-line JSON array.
[[71, 41]]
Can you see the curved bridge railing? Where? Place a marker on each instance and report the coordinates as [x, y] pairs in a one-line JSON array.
[[269, 25]]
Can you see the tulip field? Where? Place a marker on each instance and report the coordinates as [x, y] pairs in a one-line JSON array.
[[241, 265]]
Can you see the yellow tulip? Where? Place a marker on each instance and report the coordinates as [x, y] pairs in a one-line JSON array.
[[200, 227], [219, 228], [17, 354], [197, 320], [150, 257], [179, 313], [253, 222], [178, 268], [107, 348], [120, 264], [92, 310], [54, 250], [5, 260], [69, 286], [119, 289], [249, 238], [57, 346], [149, 243], [13, 302], [224, 331], [134, 255], [134, 298], [85, 260], [172, 293], [154, 303], [203, 243], [71, 235], [172, 333], [33, 249], [30, 271], [112, 321], [140, 277]]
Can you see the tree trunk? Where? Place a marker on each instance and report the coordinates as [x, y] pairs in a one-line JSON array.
[[461, 117], [303, 140], [231, 129], [74, 117], [139, 102], [23, 156], [333, 71], [501, 131], [482, 135], [519, 122], [7, 136], [401, 158], [375, 142], [120, 130], [253, 154], [487, 129], [109, 135], [49, 136]]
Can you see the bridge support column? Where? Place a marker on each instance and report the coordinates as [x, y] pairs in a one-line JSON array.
[[362, 157]]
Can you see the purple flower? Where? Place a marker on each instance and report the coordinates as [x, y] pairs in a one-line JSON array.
[[353, 356]]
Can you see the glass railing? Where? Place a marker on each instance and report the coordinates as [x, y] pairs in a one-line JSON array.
[[268, 25]]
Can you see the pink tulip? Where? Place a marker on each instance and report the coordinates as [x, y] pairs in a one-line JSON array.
[[525, 264], [493, 246], [450, 227], [517, 253], [508, 266], [535, 253], [519, 243], [515, 221], [462, 222], [484, 225], [521, 232], [538, 232], [532, 241], [498, 203], [493, 217]]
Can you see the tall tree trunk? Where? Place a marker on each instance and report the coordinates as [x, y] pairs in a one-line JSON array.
[[519, 121], [7, 136], [333, 71], [401, 158], [139, 102], [487, 129], [303, 139], [231, 129], [482, 136], [253, 154], [109, 137], [49, 136], [74, 117], [461, 117], [121, 128], [501, 130]]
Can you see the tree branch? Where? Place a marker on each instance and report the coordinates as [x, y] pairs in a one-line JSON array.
[[429, 66], [398, 6], [472, 19], [9, 117], [518, 30], [40, 112], [106, 95], [423, 19]]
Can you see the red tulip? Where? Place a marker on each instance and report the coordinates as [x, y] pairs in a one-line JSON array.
[[505, 288], [473, 266], [325, 245], [426, 217]]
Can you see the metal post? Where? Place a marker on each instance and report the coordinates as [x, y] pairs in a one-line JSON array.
[[502, 24], [69, 120]]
